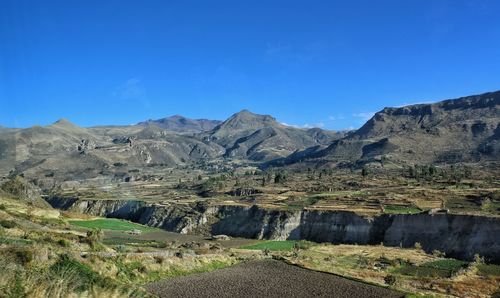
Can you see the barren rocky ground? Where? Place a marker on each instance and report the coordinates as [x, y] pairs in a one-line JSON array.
[[267, 278]]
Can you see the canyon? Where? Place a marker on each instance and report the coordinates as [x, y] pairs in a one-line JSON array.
[[458, 236]]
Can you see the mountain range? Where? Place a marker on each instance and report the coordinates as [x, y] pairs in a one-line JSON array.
[[466, 129], [459, 130]]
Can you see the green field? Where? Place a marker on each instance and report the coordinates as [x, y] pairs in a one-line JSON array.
[[441, 268], [488, 270], [111, 224], [285, 245]]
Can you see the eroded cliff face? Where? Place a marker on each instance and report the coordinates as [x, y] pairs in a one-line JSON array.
[[459, 236]]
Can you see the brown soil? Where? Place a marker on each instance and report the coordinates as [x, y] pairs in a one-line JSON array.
[[268, 278]]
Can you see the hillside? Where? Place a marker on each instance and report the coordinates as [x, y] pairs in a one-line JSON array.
[[466, 129], [262, 138], [182, 124], [463, 130]]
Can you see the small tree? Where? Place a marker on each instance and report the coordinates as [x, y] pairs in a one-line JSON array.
[[364, 171], [390, 279], [280, 177]]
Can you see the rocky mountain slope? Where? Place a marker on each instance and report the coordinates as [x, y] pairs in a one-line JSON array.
[[262, 138], [182, 124], [461, 130], [64, 150], [466, 129]]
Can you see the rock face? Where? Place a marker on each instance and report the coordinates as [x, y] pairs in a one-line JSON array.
[[86, 145], [458, 236], [22, 190], [466, 129]]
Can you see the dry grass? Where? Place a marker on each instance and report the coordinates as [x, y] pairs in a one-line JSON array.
[[374, 263]]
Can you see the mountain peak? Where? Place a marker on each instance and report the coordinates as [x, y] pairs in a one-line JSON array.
[[176, 116], [248, 117], [63, 122], [245, 111], [245, 120]]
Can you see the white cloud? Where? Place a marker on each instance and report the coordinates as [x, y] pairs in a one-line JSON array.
[[336, 117], [414, 103], [365, 116], [307, 125], [131, 89]]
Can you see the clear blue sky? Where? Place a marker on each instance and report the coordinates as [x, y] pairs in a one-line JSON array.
[[326, 63]]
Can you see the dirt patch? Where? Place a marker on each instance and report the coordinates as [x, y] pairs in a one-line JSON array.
[[267, 278]]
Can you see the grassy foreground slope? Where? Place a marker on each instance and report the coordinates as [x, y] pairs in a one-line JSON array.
[[42, 255], [46, 253]]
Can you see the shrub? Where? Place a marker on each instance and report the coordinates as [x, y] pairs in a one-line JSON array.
[[121, 248], [22, 255], [83, 277], [2, 207], [8, 224], [478, 259], [281, 177], [93, 237], [496, 294], [390, 279], [438, 253], [63, 242], [159, 259]]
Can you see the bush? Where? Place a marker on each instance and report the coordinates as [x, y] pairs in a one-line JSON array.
[[63, 242], [94, 236], [2, 207], [390, 279], [121, 248], [23, 255], [438, 253], [159, 259], [8, 224], [281, 177], [496, 294]]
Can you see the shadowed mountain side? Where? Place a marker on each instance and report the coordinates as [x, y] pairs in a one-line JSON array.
[[460, 130]]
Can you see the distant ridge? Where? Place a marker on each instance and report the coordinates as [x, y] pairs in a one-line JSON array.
[[466, 129], [463, 130], [181, 124]]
